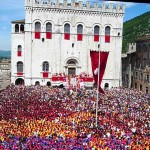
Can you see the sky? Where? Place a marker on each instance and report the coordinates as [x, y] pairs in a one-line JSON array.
[[14, 10]]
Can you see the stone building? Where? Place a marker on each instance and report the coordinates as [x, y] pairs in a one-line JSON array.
[[128, 65], [5, 73], [141, 74], [57, 38]]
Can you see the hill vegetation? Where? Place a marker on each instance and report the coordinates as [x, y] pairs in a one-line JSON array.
[[134, 28], [5, 54]]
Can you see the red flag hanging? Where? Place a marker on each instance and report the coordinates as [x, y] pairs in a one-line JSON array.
[[94, 62], [48, 35]]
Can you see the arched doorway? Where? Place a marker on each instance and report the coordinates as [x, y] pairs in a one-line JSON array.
[[37, 83], [106, 87], [72, 65], [19, 81], [48, 83]]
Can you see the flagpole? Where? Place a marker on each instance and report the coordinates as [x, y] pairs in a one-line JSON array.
[[97, 87]]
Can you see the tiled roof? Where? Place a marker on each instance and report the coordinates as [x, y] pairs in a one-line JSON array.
[[18, 21]]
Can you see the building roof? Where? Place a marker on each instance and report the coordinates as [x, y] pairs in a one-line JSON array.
[[131, 51], [18, 21], [145, 37], [124, 55]]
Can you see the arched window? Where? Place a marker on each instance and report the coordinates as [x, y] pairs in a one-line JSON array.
[[37, 30], [67, 31], [17, 28], [80, 32], [48, 30], [107, 34], [45, 66], [19, 81], [19, 48], [20, 68], [19, 52], [71, 62], [37, 83], [80, 29], [48, 83], [96, 30], [106, 87], [37, 27], [22, 28], [96, 33], [67, 28], [107, 30], [48, 27], [45, 69]]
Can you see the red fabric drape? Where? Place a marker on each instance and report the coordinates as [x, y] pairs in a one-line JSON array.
[[107, 38], [94, 62], [86, 79], [19, 53], [67, 36], [54, 78], [45, 74], [48, 35], [37, 35], [79, 37], [19, 73], [96, 38], [58, 78]]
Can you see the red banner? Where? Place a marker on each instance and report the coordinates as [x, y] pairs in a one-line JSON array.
[[107, 38], [67, 36], [48, 35], [95, 63], [79, 37], [96, 38], [19, 73], [86, 79], [37, 35], [19, 53], [45, 74], [58, 78]]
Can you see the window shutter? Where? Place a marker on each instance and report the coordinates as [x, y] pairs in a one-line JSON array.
[[67, 36], [37, 35], [96, 38], [107, 38], [45, 74], [19, 53], [48, 35], [19, 73], [79, 37]]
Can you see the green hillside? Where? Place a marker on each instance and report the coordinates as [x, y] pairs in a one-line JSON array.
[[5, 54], [135, 28]]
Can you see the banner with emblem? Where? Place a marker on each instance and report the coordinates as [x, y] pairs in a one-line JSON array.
[[95, 61]]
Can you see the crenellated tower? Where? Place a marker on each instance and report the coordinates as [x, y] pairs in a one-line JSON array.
[[60, 34], [107, 8]]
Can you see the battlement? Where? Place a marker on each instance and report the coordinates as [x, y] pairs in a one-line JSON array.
[[77, 5], [131, 48]]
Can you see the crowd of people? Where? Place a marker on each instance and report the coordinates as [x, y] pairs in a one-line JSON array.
[[51, 118]]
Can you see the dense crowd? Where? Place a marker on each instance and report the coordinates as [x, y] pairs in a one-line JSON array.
[[48, 118]]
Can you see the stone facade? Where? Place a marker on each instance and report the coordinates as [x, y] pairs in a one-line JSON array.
[[5, 73], [128, 66], [57, 37], [141, 74]]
